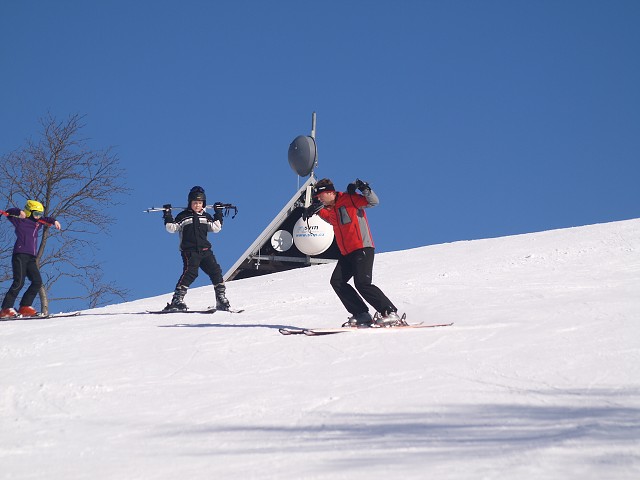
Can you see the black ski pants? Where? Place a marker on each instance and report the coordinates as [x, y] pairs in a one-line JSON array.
[[24, 266], [192, 260], [359, 266]]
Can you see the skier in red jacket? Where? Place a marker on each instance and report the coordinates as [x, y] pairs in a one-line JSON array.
[[345, 212]]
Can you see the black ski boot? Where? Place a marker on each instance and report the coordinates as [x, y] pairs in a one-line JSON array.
[[177, 305], [221, 300]]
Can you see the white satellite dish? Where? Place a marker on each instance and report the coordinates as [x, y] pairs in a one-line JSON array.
[[312, 237]]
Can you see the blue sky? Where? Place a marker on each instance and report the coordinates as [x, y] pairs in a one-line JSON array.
[[470, 119]]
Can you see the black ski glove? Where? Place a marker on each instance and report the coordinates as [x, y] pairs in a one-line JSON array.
[[311, 210], [166, 215], [218, 209], [358, 185]]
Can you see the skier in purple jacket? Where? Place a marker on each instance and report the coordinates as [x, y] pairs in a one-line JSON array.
[[27, 224]]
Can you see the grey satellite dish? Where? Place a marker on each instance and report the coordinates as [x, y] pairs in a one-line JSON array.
[[281, 241], [303, 154]]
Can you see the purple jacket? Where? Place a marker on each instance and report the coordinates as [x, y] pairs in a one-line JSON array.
[[27, 230]]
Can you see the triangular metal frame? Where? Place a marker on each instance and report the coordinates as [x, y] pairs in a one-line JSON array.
[[261, 258], [258, 259]]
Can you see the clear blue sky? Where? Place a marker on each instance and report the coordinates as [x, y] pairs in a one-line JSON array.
[[470, 119]]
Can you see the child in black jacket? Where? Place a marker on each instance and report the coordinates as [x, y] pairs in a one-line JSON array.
[[193, 224]]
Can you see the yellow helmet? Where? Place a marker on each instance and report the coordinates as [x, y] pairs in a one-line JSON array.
[[33, 206]]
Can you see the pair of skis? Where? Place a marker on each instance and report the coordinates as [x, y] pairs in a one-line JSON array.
[[40, 316], [400, 324], [313, 332], [204, 312]]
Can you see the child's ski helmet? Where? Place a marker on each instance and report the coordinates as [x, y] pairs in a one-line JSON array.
[[33, 206], [197, 193]]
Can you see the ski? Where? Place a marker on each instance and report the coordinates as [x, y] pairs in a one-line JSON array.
[[330, 331], [207, 311], [41, 316], [62, 315], [164, 312]]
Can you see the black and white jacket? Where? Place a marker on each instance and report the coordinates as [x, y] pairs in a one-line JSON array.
[[193, 229]]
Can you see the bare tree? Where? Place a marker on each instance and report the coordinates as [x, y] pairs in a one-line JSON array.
[[77, 185]]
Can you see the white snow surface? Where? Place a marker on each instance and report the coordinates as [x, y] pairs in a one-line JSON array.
[[539, 377]]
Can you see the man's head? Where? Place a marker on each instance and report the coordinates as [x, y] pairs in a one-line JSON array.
[[325, 191]]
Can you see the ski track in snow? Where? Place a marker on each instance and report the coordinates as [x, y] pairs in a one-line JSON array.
[[539, 377]]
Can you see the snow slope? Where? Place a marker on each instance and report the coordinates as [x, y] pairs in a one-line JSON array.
[[538, 378]]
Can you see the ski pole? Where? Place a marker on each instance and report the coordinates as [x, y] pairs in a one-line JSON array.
[[227, 209], [7, 214]]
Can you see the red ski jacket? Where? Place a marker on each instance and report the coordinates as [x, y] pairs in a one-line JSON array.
[[349, 220]]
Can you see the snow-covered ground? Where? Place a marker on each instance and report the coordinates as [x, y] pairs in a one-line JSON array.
[[539, 378]]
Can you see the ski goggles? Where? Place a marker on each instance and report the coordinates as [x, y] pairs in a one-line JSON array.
[[36, 214]]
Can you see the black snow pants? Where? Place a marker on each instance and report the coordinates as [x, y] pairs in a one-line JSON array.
[[24, 266], [192, 261], [359, 266]]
